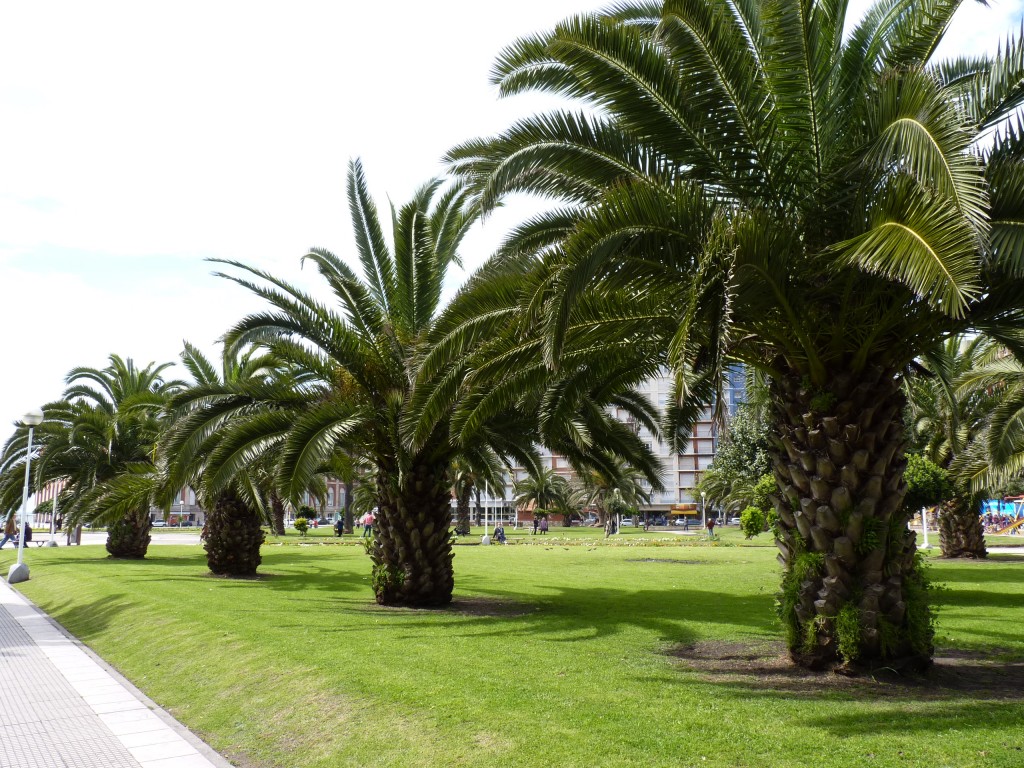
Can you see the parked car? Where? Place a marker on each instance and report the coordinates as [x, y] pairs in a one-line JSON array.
[[627, 521], [734, 521], [159, 523]]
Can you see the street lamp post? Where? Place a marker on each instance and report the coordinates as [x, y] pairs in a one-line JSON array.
[[19, 571], [53, 518], [486, 538]]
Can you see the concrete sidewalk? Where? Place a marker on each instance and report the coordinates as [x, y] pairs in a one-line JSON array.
[[62, 707]]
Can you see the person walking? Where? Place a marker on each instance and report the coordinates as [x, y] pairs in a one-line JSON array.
[[536, 523], [711, 528], [10, 531], [543, 525]]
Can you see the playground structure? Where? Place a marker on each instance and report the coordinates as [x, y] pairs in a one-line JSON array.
[[1014, 527], [1010, 512]]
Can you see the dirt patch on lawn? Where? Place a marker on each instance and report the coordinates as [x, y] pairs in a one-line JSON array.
[[765, 666], [488, 606], [665, 560]]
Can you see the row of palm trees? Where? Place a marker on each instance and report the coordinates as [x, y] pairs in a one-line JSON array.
[[606, 493], [734, 182]]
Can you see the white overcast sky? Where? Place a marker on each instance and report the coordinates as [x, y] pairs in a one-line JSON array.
[[139, 138]]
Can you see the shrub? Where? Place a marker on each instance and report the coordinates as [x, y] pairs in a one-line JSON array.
[[753, 522], [301, 525], [763, 489]]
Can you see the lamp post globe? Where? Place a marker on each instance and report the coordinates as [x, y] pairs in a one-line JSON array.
[[19, 571]]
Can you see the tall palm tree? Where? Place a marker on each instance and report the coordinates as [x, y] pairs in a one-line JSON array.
[[357, 367], [104, 429], [747, 183], [946, 419]]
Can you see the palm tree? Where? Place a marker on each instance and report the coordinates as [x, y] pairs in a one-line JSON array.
[[945, 420], [621, 482], [996, 456], [240, 495], [104, 429], [470, 472], [544, 490], [748, 184], [356, 383]]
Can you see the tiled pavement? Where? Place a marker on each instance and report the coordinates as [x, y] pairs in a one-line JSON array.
[[60, 707]]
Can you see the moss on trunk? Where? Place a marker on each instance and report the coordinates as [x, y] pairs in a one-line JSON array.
[[852, 593]]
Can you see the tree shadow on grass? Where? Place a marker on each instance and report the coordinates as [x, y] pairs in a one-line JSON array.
[[89, 619], [995, 569], [572, 615], [763, 669]]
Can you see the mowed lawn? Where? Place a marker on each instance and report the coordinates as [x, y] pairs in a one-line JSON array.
[[553, 655]]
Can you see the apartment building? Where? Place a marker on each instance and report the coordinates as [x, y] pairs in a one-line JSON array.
[[680, 471]]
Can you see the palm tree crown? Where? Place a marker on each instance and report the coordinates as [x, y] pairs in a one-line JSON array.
[[745, 183]]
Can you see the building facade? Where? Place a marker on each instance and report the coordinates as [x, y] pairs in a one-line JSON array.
[[681, 472]]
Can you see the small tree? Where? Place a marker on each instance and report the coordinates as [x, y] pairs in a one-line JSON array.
[[753, 522], [928, 484], [301, 525]]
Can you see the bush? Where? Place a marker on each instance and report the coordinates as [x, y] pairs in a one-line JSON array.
[[764, 488], [301, 525], [753, 522]]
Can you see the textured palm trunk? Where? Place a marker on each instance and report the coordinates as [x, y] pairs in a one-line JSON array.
[[277, 512], [129, 537], [961, 533], [412, 550], [462, 501], [232, 537], [852, 596]]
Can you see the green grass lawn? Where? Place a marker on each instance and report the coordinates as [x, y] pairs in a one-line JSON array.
[[560, 653]]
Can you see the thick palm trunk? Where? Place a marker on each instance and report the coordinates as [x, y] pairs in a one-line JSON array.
[[129, 537], [462, 501], [412, 550], [232, 537], [277, 512], [852, 595], [961, 533]]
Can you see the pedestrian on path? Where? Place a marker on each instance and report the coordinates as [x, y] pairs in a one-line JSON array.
[[711, 528], [543, 525], [10, 531]]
